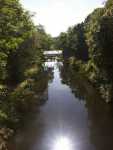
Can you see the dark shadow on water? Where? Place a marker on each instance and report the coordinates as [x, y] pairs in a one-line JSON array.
[[100, 114]]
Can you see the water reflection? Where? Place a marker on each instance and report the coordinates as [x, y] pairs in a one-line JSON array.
[[73, 118], [100, 115], [62, 143]]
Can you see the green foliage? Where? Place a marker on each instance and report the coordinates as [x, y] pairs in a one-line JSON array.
[[21, 63], [45, 40], [73, 43], [99, 37], [15, 25], [92, 42], [61, 41], [21, 43], [3, 63]]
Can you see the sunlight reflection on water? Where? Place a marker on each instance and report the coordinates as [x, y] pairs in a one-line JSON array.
[[62, 143], [67, 121]]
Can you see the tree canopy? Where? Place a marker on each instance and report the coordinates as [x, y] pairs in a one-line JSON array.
[[92, 41]]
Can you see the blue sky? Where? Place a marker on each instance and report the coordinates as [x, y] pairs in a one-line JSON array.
[[58, 15]]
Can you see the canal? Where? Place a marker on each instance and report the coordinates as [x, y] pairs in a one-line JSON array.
[[73, 117]]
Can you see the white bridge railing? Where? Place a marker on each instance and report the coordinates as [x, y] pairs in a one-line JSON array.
[[53, 53]]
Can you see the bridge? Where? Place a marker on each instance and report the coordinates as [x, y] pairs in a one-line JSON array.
[[52, 54]]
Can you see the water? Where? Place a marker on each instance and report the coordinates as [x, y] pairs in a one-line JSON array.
[[73, 118]]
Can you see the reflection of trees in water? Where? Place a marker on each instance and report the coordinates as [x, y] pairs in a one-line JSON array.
[[72, 81], [100, 115], [30, 128], [50, 71], [100, 124], [49, 78], [51, 67]]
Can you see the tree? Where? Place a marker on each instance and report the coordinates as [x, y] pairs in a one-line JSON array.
[[16, 27], [76, 42], [73, 43]]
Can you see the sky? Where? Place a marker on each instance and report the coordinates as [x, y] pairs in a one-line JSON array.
[[57, 15]]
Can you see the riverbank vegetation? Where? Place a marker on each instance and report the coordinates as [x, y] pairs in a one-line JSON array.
[[21, 66], [88, 48]]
